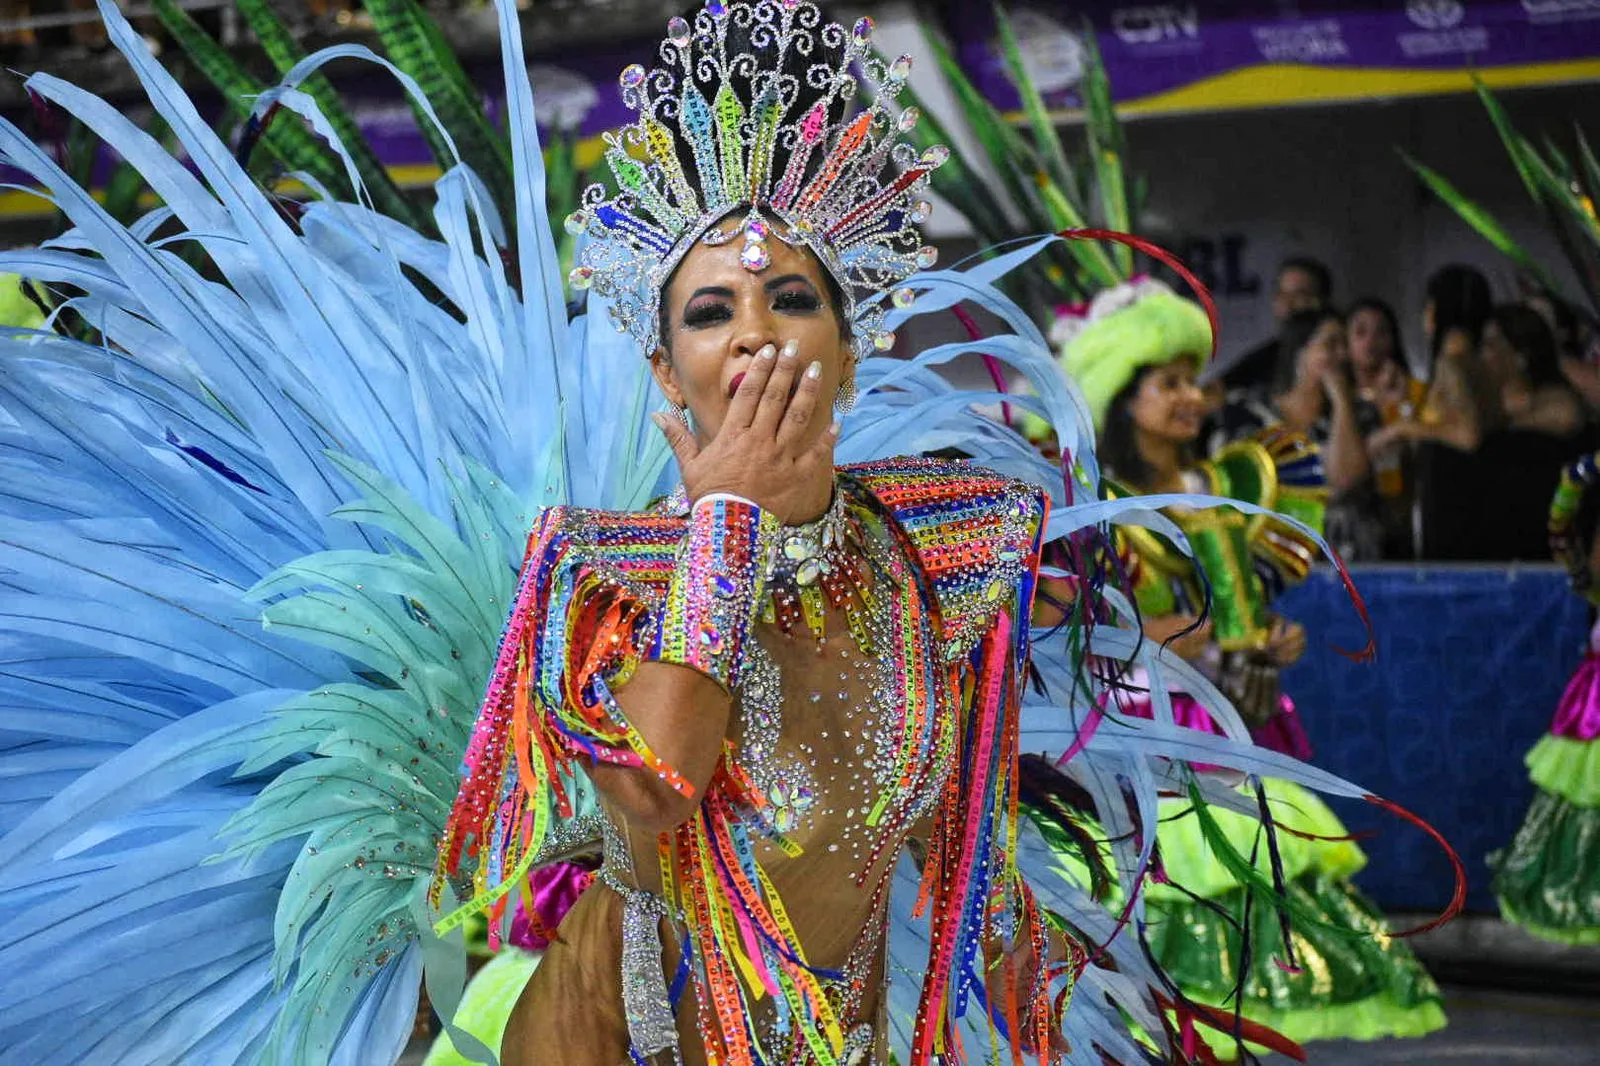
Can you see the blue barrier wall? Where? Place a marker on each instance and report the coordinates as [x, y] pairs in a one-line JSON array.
[[1470, 663]]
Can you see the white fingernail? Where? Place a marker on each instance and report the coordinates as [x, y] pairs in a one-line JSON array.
[[834, 427], [790, 348], [815, 369], [766, 352]]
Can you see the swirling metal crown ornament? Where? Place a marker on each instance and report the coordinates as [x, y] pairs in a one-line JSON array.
[[720, 133]]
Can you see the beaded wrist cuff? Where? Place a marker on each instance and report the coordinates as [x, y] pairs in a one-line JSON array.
[[717, 588]]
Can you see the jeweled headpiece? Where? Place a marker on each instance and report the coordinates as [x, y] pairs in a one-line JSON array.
[[760, 109]]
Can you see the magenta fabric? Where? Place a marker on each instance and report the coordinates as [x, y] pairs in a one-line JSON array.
[[555, 889], [1283, 731], [1578, 712]]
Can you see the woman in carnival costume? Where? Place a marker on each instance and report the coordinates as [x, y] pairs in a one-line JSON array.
[[259, 541], [1548, 878], [1136, 353]]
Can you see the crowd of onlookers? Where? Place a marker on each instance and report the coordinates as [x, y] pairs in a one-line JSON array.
[[1457, 464]]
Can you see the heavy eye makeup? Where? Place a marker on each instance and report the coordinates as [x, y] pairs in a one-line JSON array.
[[795, 295], [791, 294]]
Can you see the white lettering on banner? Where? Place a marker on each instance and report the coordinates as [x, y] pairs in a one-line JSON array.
[[1156, 23], [1435, 14], [565, 96], [1451, 42], [1301, 42], [1548, 11], [1052, 55], [386, 117]]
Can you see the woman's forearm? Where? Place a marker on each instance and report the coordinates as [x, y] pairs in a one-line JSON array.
[[677, 698], [1346, 455]]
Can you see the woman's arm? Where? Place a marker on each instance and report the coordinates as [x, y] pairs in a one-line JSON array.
[[1345, 455], [1453, 410], [676, 698], [683, 716]]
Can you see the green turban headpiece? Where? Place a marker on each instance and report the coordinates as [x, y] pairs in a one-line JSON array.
[[1129, 327]]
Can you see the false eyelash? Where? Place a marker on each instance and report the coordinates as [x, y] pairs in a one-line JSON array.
[[796, 300], [706, 314]]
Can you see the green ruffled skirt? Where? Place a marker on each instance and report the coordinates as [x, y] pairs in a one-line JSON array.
[[1548, 878], [1354, 982]]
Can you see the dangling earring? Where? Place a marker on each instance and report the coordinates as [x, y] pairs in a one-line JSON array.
[[683, 415], [845, 398]]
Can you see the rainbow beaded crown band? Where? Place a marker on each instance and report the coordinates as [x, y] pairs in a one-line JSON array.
[[763, 108]]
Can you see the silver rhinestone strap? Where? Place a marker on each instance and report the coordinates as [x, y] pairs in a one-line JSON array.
[[646, 1000]]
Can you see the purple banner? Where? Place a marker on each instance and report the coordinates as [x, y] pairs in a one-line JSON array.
[[571, 90], [1198, 54]]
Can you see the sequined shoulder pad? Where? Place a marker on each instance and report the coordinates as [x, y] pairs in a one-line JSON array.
[[975, 533], [637, 548]]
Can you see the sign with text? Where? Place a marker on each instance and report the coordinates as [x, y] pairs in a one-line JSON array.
[[1214, 55]]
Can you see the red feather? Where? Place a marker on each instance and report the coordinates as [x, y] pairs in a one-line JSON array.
[[1458, 899], [1225, 1022], [1161, 255]]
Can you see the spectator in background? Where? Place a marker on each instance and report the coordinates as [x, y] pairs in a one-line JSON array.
[[1484, 502], [1377, 361], [1383, 380], [1575, 345], [1453, 319], [1560, 317], [1457, 401], [1302, 284], [1522, 365], [1313, 391]]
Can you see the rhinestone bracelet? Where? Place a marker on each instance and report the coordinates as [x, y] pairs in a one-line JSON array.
[[716, 589]]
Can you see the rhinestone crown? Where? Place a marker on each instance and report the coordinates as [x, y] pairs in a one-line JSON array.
[[797, 127]]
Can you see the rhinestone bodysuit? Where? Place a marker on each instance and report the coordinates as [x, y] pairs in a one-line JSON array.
[[878, 711]]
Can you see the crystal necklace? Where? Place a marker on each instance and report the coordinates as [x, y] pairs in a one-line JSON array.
[[817, 565]]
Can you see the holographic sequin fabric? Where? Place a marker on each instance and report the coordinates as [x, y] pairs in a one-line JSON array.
[[887, 713]]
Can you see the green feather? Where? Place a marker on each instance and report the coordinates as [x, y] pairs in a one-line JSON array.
[[1051, 154], [1515, 144], [1107, 150], [284, 51], [291, 143], [1591, 167], [1250, 876], [1475, 216], [416, 45]]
